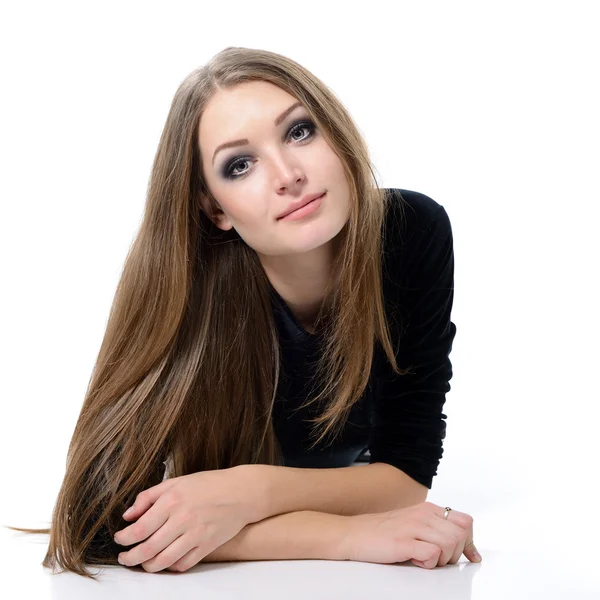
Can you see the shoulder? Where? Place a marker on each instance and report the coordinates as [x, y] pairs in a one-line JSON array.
[[410, 212], [417, 235], [413, 218], [421, 204]]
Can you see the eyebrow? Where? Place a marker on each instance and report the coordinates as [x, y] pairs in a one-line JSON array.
[[245, 141]]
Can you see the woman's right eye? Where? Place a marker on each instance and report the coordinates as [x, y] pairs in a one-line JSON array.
[[229, 173]]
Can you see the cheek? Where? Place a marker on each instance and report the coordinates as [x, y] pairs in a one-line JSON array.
[[329, 165], [243, 207], [250, 215], [252, 207]]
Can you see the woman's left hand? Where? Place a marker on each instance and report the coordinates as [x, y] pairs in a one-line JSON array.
[[184, 519]]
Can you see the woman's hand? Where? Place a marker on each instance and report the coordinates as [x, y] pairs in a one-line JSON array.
[[183, 519], [417, 533]]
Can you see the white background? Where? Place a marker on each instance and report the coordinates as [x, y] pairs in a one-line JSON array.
[[490, 108]]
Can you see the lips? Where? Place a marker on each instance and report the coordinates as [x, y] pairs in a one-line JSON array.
[[297, 205]]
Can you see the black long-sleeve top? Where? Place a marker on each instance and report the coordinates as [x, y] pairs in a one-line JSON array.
[[398, 419]]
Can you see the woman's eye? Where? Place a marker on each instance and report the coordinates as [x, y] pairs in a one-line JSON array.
[[230, 168]]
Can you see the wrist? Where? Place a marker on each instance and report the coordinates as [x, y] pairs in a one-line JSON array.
[[345, 541], [257, 489]]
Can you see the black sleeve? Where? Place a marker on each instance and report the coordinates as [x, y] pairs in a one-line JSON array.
[[408, 424]]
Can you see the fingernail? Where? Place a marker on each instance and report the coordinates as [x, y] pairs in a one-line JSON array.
[[119, 559], [128, 511], [477, 555]]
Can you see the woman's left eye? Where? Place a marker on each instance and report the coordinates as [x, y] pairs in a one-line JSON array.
[[229, 169]]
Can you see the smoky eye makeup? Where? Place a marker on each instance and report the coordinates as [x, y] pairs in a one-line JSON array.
[[231, 168]]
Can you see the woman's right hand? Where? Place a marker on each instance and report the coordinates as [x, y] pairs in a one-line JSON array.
[[418, 533]]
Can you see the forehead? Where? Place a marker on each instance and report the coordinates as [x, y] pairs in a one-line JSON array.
[[230, 110]]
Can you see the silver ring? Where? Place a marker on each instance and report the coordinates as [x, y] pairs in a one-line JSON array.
[[447, 512]]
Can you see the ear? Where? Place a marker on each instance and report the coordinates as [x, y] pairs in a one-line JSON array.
[[213, 211]]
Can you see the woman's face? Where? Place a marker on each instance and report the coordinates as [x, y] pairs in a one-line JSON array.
[[282, 161]]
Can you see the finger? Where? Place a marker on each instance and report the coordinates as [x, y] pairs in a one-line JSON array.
[[425, 554], [437, 549], [459, 535], [189, 560], [452, 532], [144, 527], [170, 554], [152, 548], [457, 523], [470, 551], [147, 498]]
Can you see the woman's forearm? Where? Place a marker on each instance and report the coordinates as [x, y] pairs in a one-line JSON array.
[[297, 535]]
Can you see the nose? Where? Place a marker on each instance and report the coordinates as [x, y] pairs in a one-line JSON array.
[[287, 172], [289, 181]]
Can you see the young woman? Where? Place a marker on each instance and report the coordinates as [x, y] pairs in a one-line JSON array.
[[271, 285]]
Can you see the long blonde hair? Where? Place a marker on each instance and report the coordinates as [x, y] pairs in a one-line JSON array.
[[162, 391]]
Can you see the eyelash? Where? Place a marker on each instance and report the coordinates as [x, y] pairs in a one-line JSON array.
[[297, 126]]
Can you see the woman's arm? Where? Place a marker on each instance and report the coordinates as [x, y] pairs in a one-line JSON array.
[[296, 535]]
